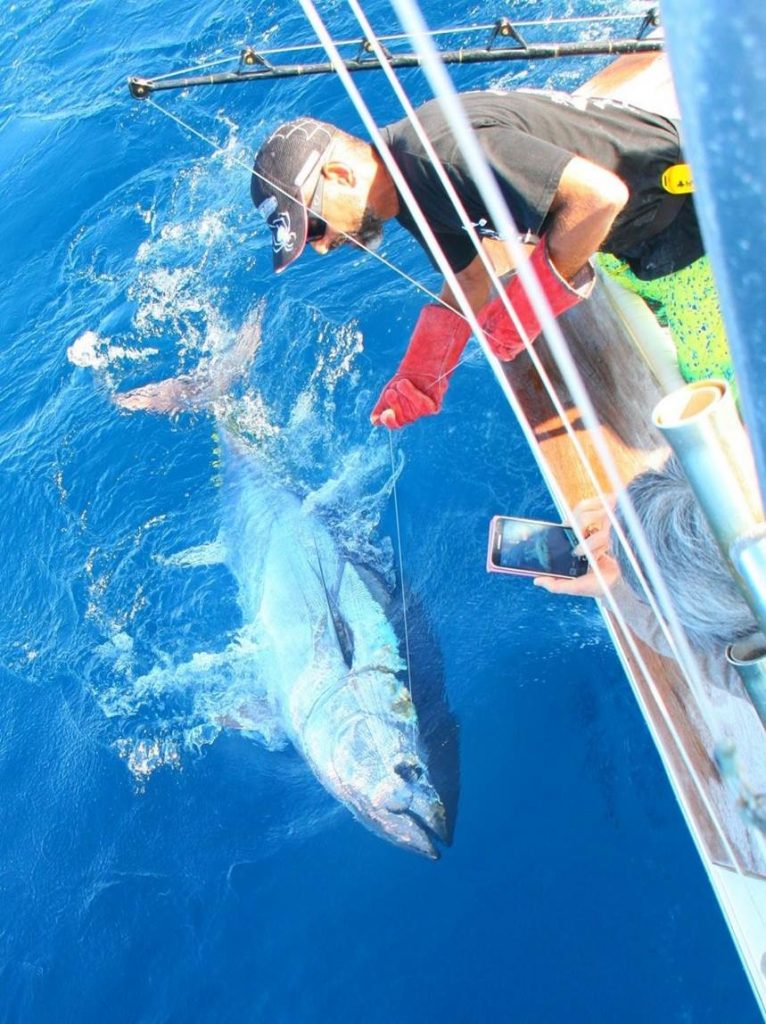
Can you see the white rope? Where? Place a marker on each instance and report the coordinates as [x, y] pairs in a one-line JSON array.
[[404, 189], [425, 229], [497, 208]]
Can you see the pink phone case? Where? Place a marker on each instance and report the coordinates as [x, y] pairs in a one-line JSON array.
[[495, 536]]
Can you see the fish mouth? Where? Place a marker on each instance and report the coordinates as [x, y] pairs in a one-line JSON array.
[[424, 835], [415, 829]]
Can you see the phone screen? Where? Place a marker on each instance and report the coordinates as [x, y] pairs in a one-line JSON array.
[[534, 548]]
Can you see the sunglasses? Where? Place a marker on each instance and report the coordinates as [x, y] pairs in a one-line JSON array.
[[315, 226]]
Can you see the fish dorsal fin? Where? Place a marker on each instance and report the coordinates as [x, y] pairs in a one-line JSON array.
[[203, 387]]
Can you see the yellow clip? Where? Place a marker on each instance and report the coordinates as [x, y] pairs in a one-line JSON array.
[[678, 180]]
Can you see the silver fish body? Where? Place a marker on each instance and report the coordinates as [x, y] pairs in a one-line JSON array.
[[330, 665], [328, 668]]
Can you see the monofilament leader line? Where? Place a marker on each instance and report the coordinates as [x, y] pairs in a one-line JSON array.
[[401, 561], [690, 674]]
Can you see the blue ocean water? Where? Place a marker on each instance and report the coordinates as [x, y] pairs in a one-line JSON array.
[[152, 867]]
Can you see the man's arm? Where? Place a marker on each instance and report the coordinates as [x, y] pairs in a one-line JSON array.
[[585, 205], [474, 281]]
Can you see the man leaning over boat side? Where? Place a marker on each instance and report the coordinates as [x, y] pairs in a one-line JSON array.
[[581, 177]]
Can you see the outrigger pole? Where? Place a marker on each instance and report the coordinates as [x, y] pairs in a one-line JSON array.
[[254, 66]]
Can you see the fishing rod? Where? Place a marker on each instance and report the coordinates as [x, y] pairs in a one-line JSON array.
[[255, 66]]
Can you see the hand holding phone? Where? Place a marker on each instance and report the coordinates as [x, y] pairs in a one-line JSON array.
[[531, 547], [592, 517]]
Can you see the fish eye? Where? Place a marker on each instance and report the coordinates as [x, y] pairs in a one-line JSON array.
[[410, 771]]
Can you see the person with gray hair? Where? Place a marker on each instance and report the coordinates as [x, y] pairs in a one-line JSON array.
[[707, 602], [706, 599]]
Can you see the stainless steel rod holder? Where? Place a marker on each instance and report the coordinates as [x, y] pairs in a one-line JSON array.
[[748, 556], [748, 657], [701, 424]]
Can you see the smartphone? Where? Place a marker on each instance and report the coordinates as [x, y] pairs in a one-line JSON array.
[[529, 547]]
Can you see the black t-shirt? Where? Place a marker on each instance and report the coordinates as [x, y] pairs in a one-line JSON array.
[[528, 138]]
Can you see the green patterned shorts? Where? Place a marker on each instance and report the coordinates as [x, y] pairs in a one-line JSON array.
[[687, 303]]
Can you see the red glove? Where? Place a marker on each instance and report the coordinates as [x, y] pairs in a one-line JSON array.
[[504, 340], [418, 386]]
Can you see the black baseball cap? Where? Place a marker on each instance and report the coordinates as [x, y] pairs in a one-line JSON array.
[[289, 161]]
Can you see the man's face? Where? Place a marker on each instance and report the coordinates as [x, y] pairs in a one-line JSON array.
[[345, 211]]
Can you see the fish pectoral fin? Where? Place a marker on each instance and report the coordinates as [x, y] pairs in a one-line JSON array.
[[204, 386], [212, 553], [210, 689]]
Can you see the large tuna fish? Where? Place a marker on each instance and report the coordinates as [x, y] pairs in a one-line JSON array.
[[328, 658]]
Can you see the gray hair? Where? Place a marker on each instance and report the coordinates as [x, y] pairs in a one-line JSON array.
[[706, 599]]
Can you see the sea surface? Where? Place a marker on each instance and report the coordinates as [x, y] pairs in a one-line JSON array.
[[155, 867]]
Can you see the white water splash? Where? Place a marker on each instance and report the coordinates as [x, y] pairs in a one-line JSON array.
[[90, 350]]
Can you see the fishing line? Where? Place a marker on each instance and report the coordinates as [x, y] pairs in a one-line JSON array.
[[457, 291], [401, 560], [616, 612]]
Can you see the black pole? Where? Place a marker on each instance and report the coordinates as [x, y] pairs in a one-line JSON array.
[[141, 88]]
